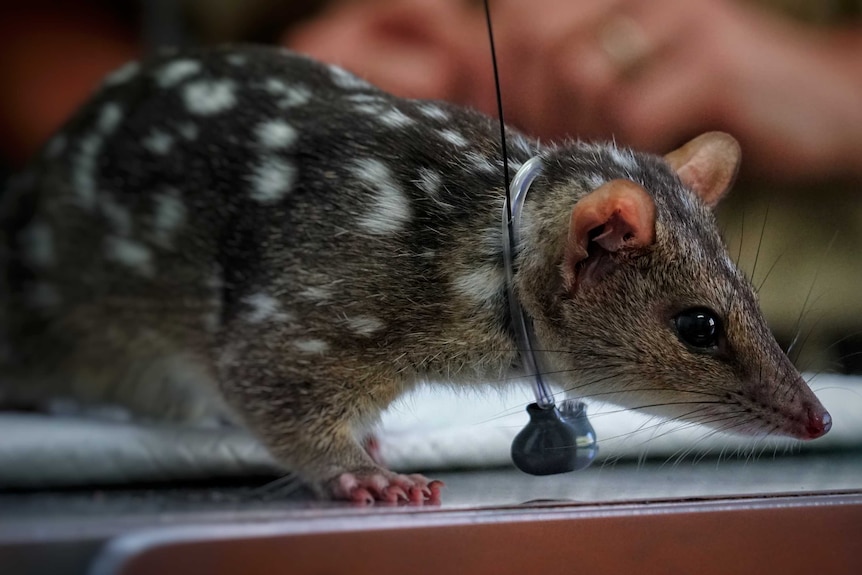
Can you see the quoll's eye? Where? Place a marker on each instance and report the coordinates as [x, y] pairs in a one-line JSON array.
[[698, 327]]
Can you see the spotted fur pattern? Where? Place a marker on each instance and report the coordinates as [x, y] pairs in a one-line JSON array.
[[244, 233]]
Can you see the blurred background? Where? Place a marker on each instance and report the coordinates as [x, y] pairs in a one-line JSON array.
[[784, 77]]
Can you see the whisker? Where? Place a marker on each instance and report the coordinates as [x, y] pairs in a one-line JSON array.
[[810, 330], [663, 404], [626, 390], [759, 243], [694, 421], [682, 453], [810, 290], [768, 273], [843, 339]]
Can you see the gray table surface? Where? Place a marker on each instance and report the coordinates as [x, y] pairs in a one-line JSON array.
[[43, 531]]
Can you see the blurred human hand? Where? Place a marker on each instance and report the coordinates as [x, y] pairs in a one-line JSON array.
[[412, 48], [648, 73], [653, 73]]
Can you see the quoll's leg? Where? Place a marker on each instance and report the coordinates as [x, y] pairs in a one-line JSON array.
[[416, 487], [308, 422], [367, 482], [325, 454]]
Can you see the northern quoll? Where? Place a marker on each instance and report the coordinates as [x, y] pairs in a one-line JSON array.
[[242, 232]]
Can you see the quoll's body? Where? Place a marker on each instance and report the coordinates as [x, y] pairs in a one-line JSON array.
[[245, 233]]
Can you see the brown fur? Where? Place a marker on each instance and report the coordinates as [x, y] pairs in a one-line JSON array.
[[190, 285]]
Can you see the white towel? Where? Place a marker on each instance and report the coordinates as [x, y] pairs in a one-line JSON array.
[[432, 428]]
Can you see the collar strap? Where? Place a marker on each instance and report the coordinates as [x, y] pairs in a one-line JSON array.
[[522, 326]]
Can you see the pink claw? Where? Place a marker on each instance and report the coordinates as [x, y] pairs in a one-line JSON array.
[[383, 486], [394, 494], [362, 496]]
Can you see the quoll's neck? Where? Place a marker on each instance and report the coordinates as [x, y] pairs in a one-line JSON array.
[[472, 265]]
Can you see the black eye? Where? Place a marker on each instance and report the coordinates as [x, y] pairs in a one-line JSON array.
[[698, 327]]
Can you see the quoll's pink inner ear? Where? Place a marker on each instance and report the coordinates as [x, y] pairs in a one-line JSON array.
[[618, 215], [708, 165]]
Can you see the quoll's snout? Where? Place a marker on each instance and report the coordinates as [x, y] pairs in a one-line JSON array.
[[819, 422], [804, 417]]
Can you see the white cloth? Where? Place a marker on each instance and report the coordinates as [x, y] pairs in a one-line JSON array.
[[432, 428]]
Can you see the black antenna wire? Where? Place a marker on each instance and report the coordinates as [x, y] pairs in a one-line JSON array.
[[500, 114], [555, 440]]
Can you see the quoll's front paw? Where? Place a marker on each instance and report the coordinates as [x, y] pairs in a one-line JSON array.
[[368, 486]]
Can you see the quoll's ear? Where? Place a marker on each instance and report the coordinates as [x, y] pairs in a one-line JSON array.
[[708, 165], [617, 216]]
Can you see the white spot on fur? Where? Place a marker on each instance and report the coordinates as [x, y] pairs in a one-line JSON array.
[[316, 293], [390, 208], [275, 86], [492, 239], [594, 181], [56, 146], [311, 345], [481, 286], [454, 138], [623, 158], [37, 244], [134, 255], [345, 80], [479, 162], [395, 118], [118, 216], [210, 97], [122, 74], [288, 96], [275, 134], [188, 131], [158, 142], [272, 180], [364, 98], [263, 307], [237, 60], [433, 112], [522, 144], [364, 325], [175, 72], [370, 108], [84, 170], [429, 181], [109, 117], [293, 97], [168, 215], [383, 112]]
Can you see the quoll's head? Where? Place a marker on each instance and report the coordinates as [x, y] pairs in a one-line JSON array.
[[648, 311]]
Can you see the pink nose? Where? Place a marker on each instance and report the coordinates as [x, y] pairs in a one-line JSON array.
[[818, 423]]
